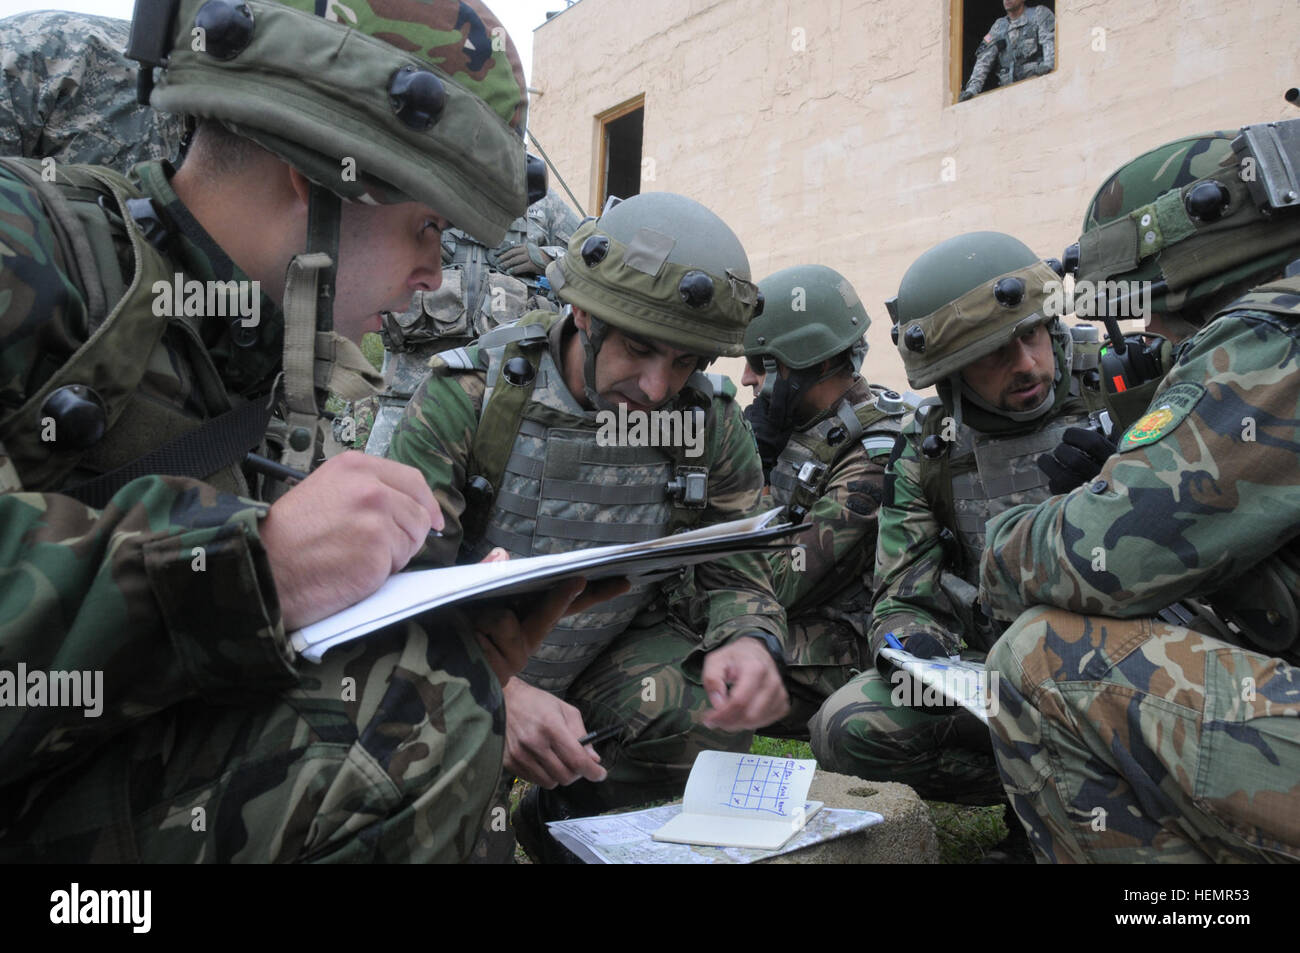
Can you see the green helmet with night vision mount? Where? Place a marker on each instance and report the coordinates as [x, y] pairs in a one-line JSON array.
[[1200, 219], [658, 266], [968, 297], [811, 314]]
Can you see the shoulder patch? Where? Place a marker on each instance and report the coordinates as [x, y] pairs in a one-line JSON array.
[[1167, 411]]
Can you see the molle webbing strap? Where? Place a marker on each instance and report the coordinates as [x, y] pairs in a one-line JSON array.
[[502, 414], [218, 443]]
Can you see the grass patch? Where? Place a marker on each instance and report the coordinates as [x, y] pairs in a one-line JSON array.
[[780, 748], [966, 834]]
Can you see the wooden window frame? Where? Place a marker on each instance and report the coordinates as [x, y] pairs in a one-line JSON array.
[[602, 146]]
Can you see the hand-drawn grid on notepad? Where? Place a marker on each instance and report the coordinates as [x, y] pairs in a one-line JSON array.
[[763, 784]]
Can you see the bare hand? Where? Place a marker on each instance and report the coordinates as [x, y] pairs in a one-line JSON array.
[[334, 538], [542, 735], [507, 642], [744, 687]]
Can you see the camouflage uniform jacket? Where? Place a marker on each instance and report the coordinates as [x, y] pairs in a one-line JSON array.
[[829, 577], [1029, 49], [115, 590], [67, 91], [925, 572], [1202, 495], [722, 599]]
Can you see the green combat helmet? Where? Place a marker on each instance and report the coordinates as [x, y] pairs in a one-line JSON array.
[[375, 102], [964, 299], [811, 314], [1196, 217], [1183, 230], [660, 266]]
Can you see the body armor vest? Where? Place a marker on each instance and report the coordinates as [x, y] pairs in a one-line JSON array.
[[988, 474], [872, 426], [125, 351], [563, 490]]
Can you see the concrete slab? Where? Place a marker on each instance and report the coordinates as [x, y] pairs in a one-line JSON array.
[[906, 837]]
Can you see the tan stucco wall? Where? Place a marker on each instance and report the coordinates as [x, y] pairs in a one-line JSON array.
[[836, 154]]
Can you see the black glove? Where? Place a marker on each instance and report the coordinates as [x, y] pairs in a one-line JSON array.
[[771, 439], [1076, 460]]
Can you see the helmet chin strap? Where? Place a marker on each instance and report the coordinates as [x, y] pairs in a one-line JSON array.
[[315, 356], [591, 344], [961, 391], [1062, 360], [787, 391]]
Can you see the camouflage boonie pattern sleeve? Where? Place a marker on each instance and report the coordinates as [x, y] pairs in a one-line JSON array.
[[988, 55], [738, 589], [909, 559], [114, 591], [1046, 40], [1203, 488], [435, 437], [67, 91], [561, 221], [843, 519]]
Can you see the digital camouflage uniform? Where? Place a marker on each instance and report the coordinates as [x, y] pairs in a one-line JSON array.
[[1122, 738], [825, 584], [1021, 48], [931, 523], [213, 743], [636, 659], [67, 91], [476, 296]]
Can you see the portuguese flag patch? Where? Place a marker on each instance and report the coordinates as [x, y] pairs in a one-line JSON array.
[[1166, 412]]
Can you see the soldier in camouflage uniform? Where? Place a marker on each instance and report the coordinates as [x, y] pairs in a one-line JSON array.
[[836, 432], [1022, 43], [211, 742], [971, 317], [1121, 737], [508, 433], [68, 91], [482, 288]]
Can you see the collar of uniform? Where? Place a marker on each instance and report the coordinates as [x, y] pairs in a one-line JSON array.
[[246, 369]]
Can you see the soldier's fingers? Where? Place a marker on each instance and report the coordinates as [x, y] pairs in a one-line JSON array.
[[582, 760], [554, 607], [520, 761], [597, 592], [404, 479]]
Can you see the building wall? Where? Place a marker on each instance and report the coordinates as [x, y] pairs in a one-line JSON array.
[[824, 131]]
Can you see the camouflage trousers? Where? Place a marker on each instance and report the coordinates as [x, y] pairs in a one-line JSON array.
[[387, 751], [1133, 740], [822, 655], [943, 757], [639, 681]]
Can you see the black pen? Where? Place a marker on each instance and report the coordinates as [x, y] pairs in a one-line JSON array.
[[279, 471], [592, 737]]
